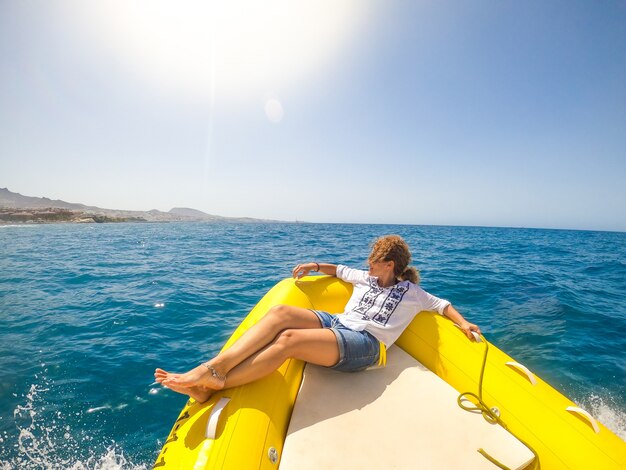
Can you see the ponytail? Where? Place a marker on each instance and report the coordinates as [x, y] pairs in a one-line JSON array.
[[410, 274]]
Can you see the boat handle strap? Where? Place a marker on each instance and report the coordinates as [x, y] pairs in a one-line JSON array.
[[524, 370], [585, 414], [214, 417]]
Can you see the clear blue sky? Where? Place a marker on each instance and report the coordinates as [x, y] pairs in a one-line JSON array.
[[498, 113]]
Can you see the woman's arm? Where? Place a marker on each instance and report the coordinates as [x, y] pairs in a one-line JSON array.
[[304, 269], [457, 318]]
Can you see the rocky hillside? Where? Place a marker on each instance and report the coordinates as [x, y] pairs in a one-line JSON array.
[[16, 208]]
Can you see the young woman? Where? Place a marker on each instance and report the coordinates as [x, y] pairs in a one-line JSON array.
[[384, 301]]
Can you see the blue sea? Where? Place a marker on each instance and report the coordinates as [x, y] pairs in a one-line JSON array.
[[88, 311]]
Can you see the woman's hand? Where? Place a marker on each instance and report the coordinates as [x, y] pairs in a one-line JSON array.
[[468, 328], [461, 322], [304, 269]]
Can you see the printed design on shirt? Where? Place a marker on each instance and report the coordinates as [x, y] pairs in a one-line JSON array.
[[377, 306]]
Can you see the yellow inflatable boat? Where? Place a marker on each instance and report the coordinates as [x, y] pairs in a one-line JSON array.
[[404, 415]]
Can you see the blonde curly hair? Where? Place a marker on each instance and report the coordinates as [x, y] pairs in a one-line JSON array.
[[394, 248]]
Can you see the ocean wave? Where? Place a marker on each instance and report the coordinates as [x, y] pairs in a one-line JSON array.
[[606, 409], [48, 439], [112, 458], [17, 225]]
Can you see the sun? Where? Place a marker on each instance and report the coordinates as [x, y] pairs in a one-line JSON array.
[[234, 48], [274, 110]]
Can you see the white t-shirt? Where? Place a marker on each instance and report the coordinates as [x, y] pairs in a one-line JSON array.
[[384, 311]]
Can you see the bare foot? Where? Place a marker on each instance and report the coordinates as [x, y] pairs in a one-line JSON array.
[[197, 393], [200, 376], [160, 375]]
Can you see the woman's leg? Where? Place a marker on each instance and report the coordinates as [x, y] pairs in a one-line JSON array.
[[278, 318], [317, 346]]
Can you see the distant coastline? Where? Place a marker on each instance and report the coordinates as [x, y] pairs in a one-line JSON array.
[[52, 215], [18, 209]]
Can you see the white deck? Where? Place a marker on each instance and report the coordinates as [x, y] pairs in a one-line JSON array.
[[402, 416]]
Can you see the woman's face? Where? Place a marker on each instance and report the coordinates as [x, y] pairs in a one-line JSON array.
[[380, 268]]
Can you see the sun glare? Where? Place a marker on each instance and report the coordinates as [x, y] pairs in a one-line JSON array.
[[239, 47], [274, 110]]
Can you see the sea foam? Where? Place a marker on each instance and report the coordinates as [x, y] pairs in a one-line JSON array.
[[47, 440]]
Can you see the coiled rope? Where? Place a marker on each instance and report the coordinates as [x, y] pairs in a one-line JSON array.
[[487, 413]]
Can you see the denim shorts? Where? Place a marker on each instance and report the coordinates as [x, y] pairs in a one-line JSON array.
[[358, 350]]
